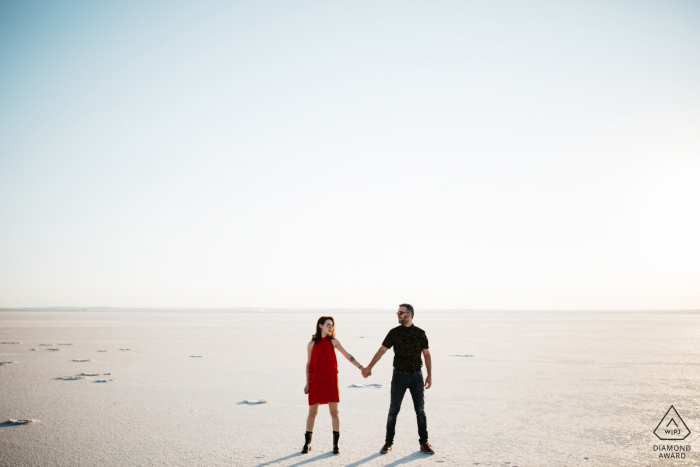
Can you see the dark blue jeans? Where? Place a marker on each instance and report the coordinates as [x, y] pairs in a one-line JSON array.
[[414, 383]]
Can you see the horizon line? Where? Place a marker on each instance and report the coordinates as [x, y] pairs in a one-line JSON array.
[[326, 309]]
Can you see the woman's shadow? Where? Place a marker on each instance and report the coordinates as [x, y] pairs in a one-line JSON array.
[[298, 454], [411, 457]]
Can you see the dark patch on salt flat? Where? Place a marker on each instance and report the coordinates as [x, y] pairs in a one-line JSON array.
[[13, 422]]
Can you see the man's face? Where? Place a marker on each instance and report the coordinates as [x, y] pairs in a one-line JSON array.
[[403, 314]]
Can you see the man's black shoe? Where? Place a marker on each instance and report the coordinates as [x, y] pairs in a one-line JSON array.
[[386, 448], [427, 448]]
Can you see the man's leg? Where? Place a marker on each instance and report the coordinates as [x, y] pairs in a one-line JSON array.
[[399, 382], [417, 392]]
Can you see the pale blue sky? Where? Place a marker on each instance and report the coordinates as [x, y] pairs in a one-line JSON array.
[[484, 155]]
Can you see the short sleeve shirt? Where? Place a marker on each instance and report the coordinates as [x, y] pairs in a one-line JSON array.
[[408, 343]]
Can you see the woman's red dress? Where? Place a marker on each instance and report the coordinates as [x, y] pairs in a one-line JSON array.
[[323, 372]]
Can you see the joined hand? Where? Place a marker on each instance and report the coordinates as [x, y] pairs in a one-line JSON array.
[[366, 372]]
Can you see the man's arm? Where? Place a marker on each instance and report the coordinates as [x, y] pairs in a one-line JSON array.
[[380, 353], [429, 367]]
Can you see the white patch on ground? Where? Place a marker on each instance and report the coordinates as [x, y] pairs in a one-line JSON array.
[[255, 402], [363, 386], [7, 363], [196, 356], [12, 421], [67, 378], [461, 355], [12, 342], [83, 361]]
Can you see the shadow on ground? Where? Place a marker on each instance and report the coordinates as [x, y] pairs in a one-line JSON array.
[[405, 460], [291, 456], [298, 454], [410, 458], [362, 461]]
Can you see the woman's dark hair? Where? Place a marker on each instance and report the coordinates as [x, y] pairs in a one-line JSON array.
[[321, 321]]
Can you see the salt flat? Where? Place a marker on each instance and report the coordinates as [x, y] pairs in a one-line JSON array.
[[538, 389]]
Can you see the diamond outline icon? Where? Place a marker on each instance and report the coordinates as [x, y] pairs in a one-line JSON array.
[[674, 421]]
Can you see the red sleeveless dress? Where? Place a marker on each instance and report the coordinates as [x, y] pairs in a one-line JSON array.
[[323, 374]]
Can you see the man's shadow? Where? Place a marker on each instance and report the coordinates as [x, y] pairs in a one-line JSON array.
[[410, 458], [362, 461]]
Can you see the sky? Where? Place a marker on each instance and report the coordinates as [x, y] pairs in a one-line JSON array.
[[453, 155]]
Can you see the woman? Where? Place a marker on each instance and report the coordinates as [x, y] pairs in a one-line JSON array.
[[322, 377]]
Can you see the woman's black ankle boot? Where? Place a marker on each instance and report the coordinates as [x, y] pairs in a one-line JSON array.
[[336, 449], [307, 444]]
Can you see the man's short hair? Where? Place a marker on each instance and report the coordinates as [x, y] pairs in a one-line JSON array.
[[408, 307]]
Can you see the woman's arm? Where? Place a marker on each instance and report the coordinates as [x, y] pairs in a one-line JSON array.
[[351, 359], [309, 349]]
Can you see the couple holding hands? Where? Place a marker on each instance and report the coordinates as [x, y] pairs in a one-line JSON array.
[[322, 386]]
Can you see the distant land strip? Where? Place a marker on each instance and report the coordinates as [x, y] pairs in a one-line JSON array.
[[317, 310]]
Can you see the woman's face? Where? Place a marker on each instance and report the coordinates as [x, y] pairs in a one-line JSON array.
[[327, 327]]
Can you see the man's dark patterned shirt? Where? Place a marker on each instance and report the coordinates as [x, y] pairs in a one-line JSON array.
[[408, 343]]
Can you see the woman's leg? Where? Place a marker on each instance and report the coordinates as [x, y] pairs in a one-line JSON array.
[[313, 410], [333, 407]]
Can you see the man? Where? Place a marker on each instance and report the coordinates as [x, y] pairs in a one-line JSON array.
[[408, 342]]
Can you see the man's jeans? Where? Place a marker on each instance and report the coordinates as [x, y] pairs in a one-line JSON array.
[[414, 383]]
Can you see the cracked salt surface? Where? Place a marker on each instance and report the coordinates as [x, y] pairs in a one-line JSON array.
[[529, 369]]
